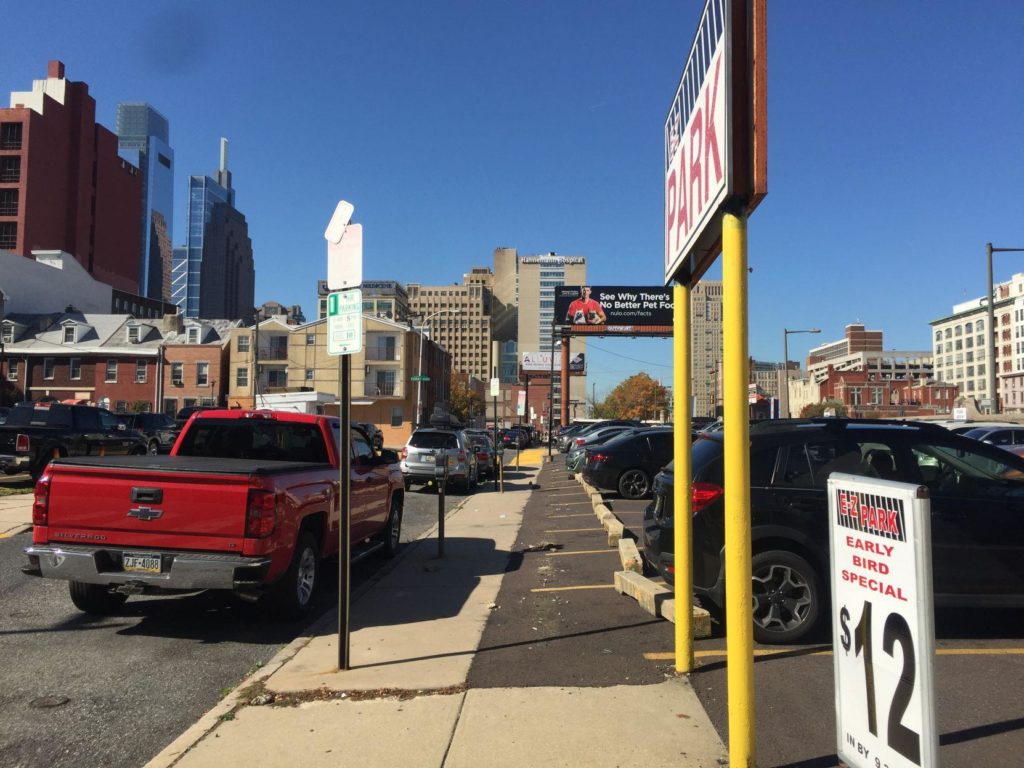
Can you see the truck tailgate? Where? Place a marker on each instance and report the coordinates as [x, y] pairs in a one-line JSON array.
[[141, 507]]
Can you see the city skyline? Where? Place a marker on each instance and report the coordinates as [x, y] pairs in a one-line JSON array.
[[449, 151]]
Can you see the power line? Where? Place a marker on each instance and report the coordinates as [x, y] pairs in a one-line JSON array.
[[626, 357]]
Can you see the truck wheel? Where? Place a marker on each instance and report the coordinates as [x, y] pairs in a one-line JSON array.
[[153, 448], [392, 533], [95, 598], [293, 594]]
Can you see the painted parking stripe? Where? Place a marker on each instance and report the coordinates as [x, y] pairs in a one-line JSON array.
[[570, 503], [560, 517], [569, 589], [573, 530], [669, 656], [584, 552]]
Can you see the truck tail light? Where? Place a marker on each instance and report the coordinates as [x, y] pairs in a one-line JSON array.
[[261, 514], [22, 444], [41, 501], [704, 494]]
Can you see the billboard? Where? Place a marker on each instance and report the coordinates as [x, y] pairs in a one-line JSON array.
[[605, 310], [541, 362]]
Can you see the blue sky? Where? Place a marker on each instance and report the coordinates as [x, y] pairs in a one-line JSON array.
[[896, 141]]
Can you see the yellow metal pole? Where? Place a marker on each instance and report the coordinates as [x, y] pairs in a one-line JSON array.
[[739, 622], [682, 515]]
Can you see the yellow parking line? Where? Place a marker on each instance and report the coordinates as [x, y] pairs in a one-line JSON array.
[[580, 514], [568, 589], [572, 530], [669, 656], [585, 552]]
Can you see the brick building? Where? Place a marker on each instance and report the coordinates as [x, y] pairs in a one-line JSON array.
[[865, 394], [195, 363], [62, 184]]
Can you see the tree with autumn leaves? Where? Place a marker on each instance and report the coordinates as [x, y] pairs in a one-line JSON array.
[[464, 402], [638, 397]]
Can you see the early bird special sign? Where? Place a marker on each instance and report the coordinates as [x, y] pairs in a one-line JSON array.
[[882, 624]]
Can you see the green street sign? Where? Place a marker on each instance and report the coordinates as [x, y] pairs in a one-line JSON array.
[[419, 378]]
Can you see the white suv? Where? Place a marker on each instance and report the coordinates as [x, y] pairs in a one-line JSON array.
[[420, 452]]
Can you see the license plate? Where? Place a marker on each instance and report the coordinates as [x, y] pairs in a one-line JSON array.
[[135, 563]]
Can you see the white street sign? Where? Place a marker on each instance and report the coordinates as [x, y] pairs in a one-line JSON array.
[[495, 387], [345, 259], [882, 625], [521, 403], [336, 226], [345, 322]]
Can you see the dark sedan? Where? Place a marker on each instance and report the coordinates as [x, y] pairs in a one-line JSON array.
[[977, 515], [629, 463]]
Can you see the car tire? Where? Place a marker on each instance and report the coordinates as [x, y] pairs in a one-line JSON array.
[[787, 597], [138, 450], [292, 595], [96, 599], [153, 448], [634, 484], [392, 533]]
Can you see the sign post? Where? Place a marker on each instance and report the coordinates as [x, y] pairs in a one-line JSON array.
[[344, 338], [880, 547]]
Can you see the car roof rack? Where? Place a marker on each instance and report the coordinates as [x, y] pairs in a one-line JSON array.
[[832, 423]]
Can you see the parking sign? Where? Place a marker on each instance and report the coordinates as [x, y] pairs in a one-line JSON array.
[[345, 322], [882, 625]]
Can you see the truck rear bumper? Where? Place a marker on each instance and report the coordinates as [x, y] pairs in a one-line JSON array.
[[12, 465], [178, 570]]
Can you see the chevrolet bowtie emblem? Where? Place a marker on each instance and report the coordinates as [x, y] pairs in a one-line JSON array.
[[145, 513]]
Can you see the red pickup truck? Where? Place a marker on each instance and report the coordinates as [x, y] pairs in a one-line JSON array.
[[246, 501]]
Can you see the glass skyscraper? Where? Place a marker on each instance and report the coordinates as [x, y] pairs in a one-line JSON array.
[[143, 137]]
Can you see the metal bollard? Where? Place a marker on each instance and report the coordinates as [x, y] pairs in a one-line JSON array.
[[499, 475], [441, 478]]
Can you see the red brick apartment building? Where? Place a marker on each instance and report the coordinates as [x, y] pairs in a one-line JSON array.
[[63, 186]]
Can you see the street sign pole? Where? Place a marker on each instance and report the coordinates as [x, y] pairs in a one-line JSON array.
[[345, 491]]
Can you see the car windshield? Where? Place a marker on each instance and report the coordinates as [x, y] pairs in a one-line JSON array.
[[434, 440]]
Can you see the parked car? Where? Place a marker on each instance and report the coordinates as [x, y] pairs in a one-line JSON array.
[[419, 457], [186, 413], [576, 458], [1004, 435], [159, 429], [628, 463], [514, 438], [373, 433], [35, 433], [596, 435], [247, 501], [977, 520], [565, 441], [485, 454]]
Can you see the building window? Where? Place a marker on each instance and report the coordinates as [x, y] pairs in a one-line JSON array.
[[310, 338], [177, 374], [170, 406], [10, 169], [10, 135], [277, 377], [140, 371], [75, 369], [396, 416], [12, 370], [969, 328], [69, 334], [9, 202], [243, 343], [203, 374], [134, 334], [48, 368], [309, 374], [111, 371], [7, 334], [121, 407], [241, 377], [8, 235], [189, 402], [193, 335]]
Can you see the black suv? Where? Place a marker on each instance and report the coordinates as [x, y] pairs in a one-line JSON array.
[[977, 499], [159, 429]]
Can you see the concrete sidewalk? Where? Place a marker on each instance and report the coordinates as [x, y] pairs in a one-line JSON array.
[[405, 702], [15, 513]]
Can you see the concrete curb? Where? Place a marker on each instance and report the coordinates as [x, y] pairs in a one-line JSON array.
[[629, 556], [658, 600], [206, 724], [17, 529]]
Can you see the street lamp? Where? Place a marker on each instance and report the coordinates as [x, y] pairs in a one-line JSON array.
[[419, 375], [785, 361], [551, 389], [993, 398]]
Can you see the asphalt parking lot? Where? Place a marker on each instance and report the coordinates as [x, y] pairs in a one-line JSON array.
[[978, 665]]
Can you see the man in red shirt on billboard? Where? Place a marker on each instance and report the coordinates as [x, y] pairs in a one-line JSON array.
[[585, 310]]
